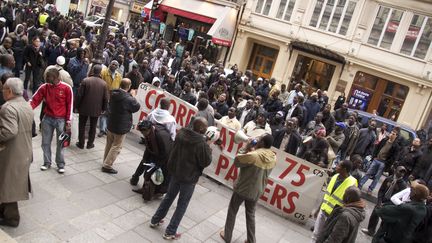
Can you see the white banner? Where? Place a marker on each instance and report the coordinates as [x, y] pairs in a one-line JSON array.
[[294, 184]]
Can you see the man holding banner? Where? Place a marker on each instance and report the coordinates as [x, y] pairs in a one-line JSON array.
[[255, 168]]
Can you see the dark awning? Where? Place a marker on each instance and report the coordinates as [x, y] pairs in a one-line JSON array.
[[318, 51]]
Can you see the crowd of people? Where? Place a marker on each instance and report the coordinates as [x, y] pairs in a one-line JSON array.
[[56, 57]]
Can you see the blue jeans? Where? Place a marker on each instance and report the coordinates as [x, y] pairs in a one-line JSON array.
[[375, 169], [186, 190], [103, 123], [49, 124]]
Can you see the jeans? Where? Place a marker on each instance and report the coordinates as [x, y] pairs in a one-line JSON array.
[[235, 202], [103, 123], [82, 121], [113, 147], [319, 225], [49, 124], [175, 187], [375, 169]]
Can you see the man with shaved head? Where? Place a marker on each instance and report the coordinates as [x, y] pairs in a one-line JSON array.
[[122, 105], [189, 156]]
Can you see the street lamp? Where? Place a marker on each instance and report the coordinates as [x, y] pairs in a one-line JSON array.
[[98, 59]]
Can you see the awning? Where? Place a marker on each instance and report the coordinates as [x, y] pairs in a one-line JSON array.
[[318, 51], [193, 9], [223, 29], [222, 17]]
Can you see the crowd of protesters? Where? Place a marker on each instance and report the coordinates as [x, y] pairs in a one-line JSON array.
[[54, 55]]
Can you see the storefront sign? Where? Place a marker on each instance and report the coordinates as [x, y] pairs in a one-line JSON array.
[[294, 184], [359, 99], [138, 7]]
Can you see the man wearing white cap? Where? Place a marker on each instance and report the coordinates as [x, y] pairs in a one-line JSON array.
[[64, 75]]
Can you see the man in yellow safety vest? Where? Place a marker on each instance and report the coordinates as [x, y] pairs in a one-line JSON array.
[[334, 194]]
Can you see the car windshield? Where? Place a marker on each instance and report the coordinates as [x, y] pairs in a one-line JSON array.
[[92, 18]]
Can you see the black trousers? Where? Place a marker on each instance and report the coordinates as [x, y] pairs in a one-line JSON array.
[[373, 221], [37, 77], [82, 121], [9, 213]]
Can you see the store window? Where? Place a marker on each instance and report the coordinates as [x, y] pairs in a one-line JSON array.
[[333, 15], [374, 94], [285, 9], [418, 37], [263, 7], [315, 74], [385, 27], [262, 61]]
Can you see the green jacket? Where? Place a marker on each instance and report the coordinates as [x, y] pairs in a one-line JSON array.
[[255, 168], [399, 222]]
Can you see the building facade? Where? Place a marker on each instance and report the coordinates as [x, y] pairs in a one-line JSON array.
[[376, 52]]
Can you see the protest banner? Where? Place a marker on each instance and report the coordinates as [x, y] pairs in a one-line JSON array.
[[294, 184], [149, 97]]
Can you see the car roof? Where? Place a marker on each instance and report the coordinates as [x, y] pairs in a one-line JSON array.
[[381, 119]]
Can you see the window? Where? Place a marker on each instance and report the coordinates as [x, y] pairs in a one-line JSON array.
[[263, 7], [385, 27], [285, 10], [333, 15], [418, 37]]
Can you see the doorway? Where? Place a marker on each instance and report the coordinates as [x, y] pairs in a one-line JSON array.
[[262, 61]]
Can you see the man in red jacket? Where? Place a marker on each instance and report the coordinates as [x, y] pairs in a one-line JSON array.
[[58, 98]]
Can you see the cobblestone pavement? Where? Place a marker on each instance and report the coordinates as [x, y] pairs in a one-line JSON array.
[[86, 205]]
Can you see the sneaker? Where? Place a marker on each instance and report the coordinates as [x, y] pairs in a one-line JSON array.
[[61, 170], [45, 167], [156, 224], [171, 237], [101, 134], [109, 170]]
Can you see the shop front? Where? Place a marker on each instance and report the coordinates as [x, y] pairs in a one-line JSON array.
[[377, 95], [204, 27]]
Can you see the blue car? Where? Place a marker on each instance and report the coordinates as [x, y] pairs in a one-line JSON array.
[[407, 133]]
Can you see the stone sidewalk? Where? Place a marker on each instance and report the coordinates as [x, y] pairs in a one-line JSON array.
[[86, 205]]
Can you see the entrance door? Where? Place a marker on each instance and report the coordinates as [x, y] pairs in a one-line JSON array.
[[313, 73], [262, 61]]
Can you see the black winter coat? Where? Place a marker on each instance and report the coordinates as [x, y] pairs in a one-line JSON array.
[[189, 156], [293, 143], [122, 105]]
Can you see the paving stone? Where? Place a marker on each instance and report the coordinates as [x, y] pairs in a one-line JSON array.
[[87, 166], [131, 220], [38, 236], [64, 231], [113, 211], [90, 220], [127, 237], [109, 230], [92, 199], [119, 189], [106, 178], [80, 182], [52, 211], [204, 230], [131, 203], [88, 237], [150, 234], [38, 195]]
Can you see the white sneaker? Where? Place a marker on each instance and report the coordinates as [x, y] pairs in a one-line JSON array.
[[45, 167], [61, 170]]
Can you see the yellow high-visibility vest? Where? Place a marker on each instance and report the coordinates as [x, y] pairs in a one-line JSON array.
[[43, 19], [334, 197]]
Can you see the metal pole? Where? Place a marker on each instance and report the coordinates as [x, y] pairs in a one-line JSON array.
[[98, 59]]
